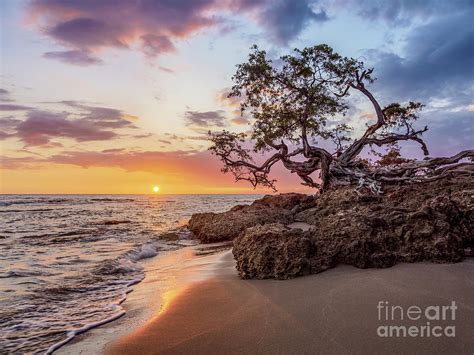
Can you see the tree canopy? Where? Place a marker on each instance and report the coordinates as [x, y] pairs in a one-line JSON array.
[[299, 101]]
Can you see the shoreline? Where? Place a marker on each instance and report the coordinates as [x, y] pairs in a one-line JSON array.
[[190, 302], [335, 311], [166, 275]]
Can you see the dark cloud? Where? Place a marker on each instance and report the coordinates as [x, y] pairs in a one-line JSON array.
[[285, 19], [205, 119], [13, 107], [86, 27], [402, 12], [88, 32], [439, 62], [5, 95], [76, 57]]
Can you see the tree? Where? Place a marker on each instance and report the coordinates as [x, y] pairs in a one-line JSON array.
[[299, 101]]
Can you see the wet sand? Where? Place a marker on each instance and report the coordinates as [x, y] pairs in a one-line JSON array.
[[332, 312], [166, 276]]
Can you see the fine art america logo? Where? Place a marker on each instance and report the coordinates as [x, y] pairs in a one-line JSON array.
[[413, 321]]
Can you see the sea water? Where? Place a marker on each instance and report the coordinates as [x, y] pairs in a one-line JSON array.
[[68, 261]]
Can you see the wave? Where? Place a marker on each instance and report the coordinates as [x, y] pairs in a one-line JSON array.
[[27, 201], [92, 247], [33, 210], [112, 199], [120, 267], [112, 222], [23, 273]]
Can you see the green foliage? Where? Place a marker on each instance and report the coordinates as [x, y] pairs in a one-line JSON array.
[[398, 116], [299, 100], [297, 95]]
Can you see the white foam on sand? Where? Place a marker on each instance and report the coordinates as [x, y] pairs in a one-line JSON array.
[[166, 275]]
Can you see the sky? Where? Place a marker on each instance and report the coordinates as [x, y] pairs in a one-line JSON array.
[[104, 96]]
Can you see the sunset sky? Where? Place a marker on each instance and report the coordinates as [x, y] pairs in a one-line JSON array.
[[102, 96]]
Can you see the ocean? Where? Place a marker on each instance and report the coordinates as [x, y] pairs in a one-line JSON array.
[[67, 262]]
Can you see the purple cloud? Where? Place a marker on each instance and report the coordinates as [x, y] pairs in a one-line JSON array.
[[88, 32], [152, 45], [13, 107], [86, 123], [205, 119], [76, 57], [41, 126], [86, 27]]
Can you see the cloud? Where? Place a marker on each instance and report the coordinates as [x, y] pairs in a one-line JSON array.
[[233, 104], [205, 119], [76, 57], [285, 19], [86, 123], [103, 117], [8, 123], [403, 12], [85, 28], [41, 126], [449, 132], [5, 95], [90, 26], [152, 45], [438, 63], [19, 162], [86, 32], [166, 70], [13, 107]]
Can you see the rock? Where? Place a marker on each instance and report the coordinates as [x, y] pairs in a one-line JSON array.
[[215, 227], [431, 222], [273, 251], [287, 201]]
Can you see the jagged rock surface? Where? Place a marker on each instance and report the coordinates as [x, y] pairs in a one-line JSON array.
[[216, 227], [273, 251], [431, 222]]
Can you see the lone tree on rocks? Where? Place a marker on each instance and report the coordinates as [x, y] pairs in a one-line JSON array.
[[299, 101]]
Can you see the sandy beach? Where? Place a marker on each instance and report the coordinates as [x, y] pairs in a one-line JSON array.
[[332, 312]]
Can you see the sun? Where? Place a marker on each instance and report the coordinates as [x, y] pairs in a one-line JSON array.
[[156, 189]]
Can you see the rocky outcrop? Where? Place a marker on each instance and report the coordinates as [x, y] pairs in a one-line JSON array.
[[431, 222], [216, 227], [273, 251]]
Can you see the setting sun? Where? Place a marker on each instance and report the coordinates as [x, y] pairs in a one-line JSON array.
[[156, 188]]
